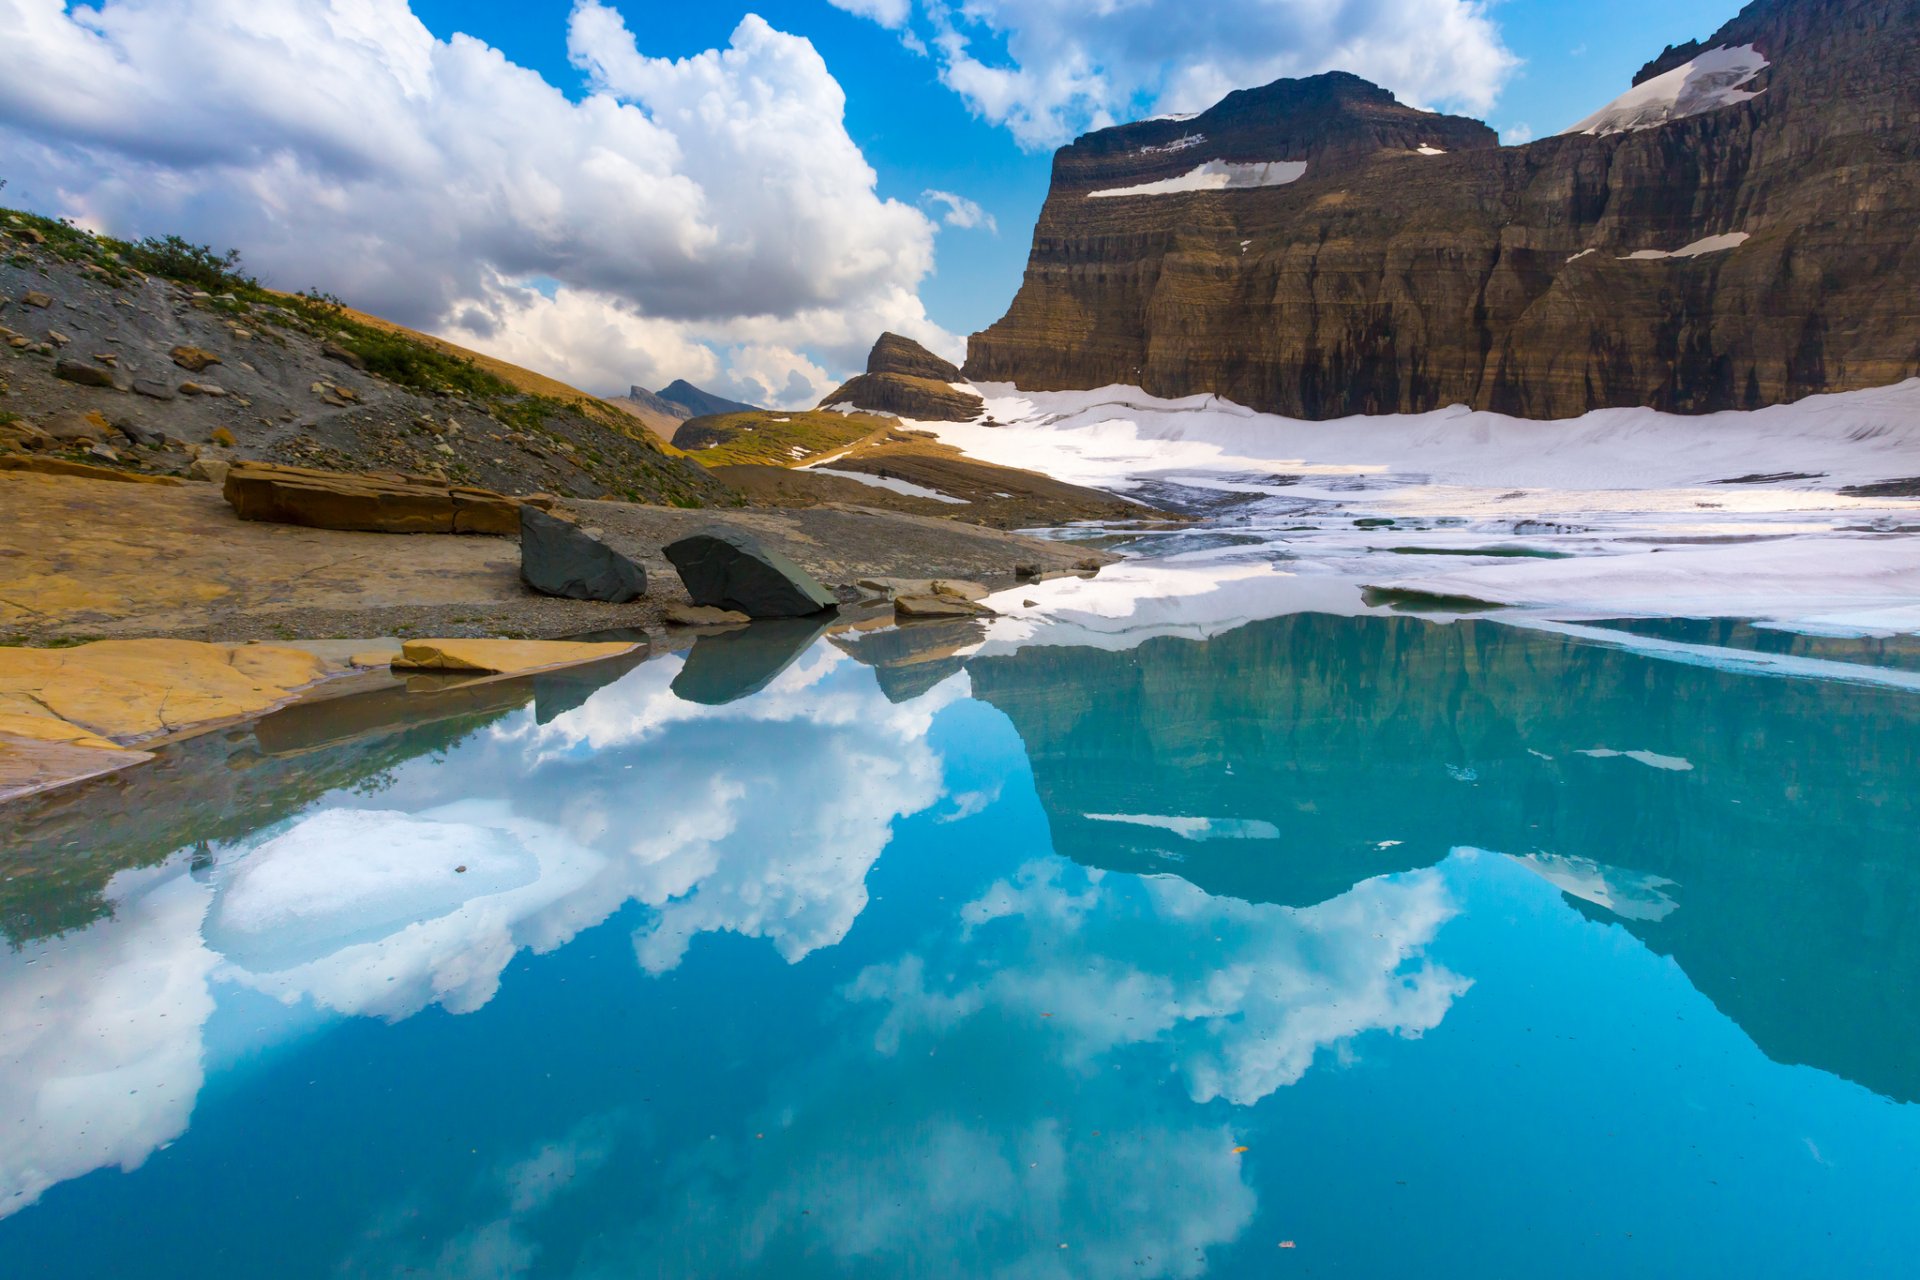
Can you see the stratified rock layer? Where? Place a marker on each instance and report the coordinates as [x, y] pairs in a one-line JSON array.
[[906, 379], [368, 503], [1416, 264]]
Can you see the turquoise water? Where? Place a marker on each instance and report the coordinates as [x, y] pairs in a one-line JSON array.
[[1331, 946]]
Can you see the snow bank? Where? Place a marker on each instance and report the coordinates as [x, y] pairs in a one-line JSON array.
[[1215, 175], [1711, 81], [888, 482]]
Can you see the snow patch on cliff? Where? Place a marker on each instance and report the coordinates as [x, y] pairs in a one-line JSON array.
[[1215, 175], [1715, 79], [1699, 248]]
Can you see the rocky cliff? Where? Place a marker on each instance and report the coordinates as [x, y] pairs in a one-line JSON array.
[[906, 379], [1738, 230]]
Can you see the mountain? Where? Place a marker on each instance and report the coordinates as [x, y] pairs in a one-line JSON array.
[[1737, 230], [906, 379], [684, 395]]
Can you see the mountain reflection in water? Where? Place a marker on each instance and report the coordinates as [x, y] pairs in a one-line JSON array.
[[853, 956]]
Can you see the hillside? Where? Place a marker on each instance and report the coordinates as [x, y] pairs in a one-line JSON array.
[[1737, 230], [157, 357]]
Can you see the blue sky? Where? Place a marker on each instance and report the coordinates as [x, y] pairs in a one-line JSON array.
[[919, 135], [623, 192]]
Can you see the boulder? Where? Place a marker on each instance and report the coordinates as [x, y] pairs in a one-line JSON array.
[[152, 388], [193, 359], [732, 570], [558, 558], [82, 374], [334, 351], [37, 299], [383, 503], [23, 435]]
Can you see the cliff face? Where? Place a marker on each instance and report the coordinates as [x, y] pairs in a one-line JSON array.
[[906, 379], [1314, 248]]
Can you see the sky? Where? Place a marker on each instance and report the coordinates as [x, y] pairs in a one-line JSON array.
[[623, 192]]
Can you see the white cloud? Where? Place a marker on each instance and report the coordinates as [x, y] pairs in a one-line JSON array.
[[961, 212], [700, 215], [1049, 69], [891, 14]]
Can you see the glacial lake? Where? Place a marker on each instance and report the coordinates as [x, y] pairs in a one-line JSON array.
[[1330, 945]]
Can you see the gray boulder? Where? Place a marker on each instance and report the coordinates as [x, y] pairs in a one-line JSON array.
[[732, 570], [558, 558]]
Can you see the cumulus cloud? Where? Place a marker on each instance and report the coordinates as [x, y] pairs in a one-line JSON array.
[[962, 212], [1049, 69], [703, 216]]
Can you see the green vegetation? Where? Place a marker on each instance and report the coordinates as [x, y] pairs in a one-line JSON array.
[[772, 439]]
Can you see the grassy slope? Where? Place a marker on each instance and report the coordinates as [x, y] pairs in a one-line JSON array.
[[773, 439]]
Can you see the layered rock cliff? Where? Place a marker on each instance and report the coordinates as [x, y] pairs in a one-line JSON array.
[[1738, 230], [906, 379]]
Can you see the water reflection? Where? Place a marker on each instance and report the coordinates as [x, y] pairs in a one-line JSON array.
[[1269, 839]]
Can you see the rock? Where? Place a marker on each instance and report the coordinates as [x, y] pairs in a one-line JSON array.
[[500, 657], [104, 452], [694, 615], [894, 588], [80, 373], [939, 607], [558, 558], [1026, 572], [23, 435], [71, 426], [367, 503], [334, 351], [730, 569], [152, 389], [78, 470], [58, 338], [1384, 280], [193, 359], [203, 389], [906, 379], [148, 437], [36, 299], [209, 470]]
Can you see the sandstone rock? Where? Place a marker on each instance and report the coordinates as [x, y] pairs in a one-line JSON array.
[[730, 569], [558, 558], [209, 470], [209, 389], [58, 338], [36, 299], [72, 426], [896, 587], [1385, 280], [193, 359], [694, 615], [80, 373], [23, 435], [77, 470], [500, 657], [939, 607], [368, 503]]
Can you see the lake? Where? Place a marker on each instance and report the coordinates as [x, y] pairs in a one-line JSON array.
[[1333, 945]]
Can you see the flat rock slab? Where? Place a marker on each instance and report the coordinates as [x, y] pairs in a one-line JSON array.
[[500, 657], [700, 615], [375, 503], [731, 569], [111, 692], [939, 607], [894, 588], [78, 470], [558, 558]]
